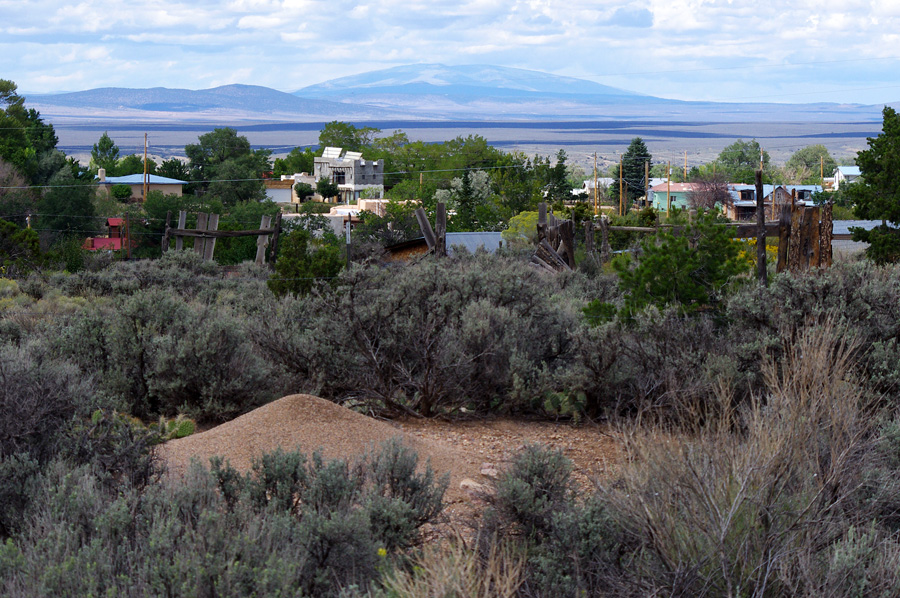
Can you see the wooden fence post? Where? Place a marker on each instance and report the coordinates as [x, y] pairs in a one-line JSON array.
[[262, 241], [784, 238], [604, 240], [165, 240], [542, 221], [182, 222], [761, 273], [826, 235], [275, 236], [589, 247], [200, 242], [211, 225], [440, 230], [426, 229]]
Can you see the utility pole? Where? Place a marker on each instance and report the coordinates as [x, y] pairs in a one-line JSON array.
[[822, 171], [596, 202], [668, 189], [144, 197], [685, 167], [760, 158], [646, 183]]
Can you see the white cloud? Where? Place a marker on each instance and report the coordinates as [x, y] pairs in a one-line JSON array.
[[699, 48]]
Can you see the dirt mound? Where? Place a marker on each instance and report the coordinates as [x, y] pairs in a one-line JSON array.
[[310, 423]]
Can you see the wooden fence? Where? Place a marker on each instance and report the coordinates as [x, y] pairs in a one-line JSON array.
[[207, 232]]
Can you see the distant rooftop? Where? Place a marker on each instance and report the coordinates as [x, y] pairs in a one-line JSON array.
[[138, 179]]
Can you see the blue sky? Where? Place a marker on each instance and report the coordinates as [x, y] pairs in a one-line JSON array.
[[723, 50]]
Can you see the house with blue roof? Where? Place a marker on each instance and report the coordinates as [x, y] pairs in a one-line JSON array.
[[845, 175], [136, 181], [743, 202]]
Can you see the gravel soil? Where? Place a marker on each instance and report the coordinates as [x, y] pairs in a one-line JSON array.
[[464, 449]]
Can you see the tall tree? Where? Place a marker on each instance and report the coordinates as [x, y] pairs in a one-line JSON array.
[[633, 161], [298, 160], [809, 164], [877, 193], [224, 165], [105, 155], [740, 161], [346, 136]]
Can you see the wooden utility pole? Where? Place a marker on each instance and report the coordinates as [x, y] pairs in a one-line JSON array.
[[596, 197], [621, 201], [646, 183], [822, 171], [760, 232], [684, 180], [760, 158], [144, 197], [668, 189]]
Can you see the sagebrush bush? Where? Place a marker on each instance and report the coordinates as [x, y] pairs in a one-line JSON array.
[[292, 526], [428, 338], [160, 355], [754, 512]]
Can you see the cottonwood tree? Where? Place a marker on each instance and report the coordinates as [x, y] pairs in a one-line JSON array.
[[808, 165], [225, 166]]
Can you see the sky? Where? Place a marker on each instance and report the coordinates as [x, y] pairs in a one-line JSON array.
[[795, 51]]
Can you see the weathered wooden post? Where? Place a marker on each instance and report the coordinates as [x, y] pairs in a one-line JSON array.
[[426, 229], [165, 240], [542, 221], [262, 241], [784, 238], [604, 240], [826, 235], [275, 236], [589, 247], [200, 242], [440, 230], [212, 224], [761, 273], [182, 222]]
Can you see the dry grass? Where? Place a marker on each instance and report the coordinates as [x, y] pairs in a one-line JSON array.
[[453, 570], [731, 509]]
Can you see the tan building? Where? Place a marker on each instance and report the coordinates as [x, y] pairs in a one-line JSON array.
[[136, 181]]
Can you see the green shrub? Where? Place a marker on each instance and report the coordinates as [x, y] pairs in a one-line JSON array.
[[430, 338]]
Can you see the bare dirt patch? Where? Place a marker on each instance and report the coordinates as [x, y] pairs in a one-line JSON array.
[[461, 448]]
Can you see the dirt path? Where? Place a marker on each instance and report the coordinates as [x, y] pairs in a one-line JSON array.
[[462, 449]]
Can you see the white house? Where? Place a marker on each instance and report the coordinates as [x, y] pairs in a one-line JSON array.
[[845, 174]]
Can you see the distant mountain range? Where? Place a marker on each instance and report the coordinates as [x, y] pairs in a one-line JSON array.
[[427, 92]]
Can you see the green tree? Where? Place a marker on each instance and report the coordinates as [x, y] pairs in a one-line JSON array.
[[134, 164], [303, 191], [633, 161], [26, 141], [809, 165], [326, 188], [877, 194], [687, 268], [67, 209], [20, 250], [174, 168], [303, 262], [16, 200], [346, 136], [225, 166], [297, 161], [105, 154], [740, 161]]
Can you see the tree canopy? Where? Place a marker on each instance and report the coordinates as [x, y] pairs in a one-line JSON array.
[[740, 161], [224, 165], [810, 164], [877, 194]]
